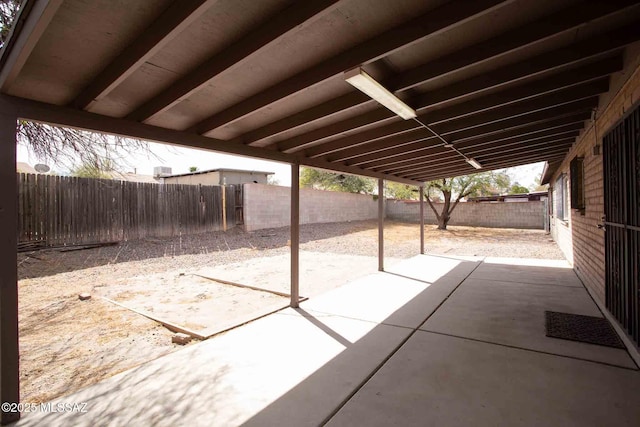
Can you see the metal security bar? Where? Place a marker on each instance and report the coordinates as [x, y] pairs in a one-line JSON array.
[[622, 222]]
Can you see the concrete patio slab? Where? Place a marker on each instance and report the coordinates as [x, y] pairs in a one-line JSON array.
[[239, 375], [355, 356], [404, 296], [430, 268], [535, 271], [436, 380], [513, 314]]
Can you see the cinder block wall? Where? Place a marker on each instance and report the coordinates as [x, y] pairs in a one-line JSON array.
[[579, 237], [499, 215], [268, 206]]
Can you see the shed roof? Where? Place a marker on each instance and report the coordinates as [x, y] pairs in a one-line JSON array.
[[506, 82], [220, 170]]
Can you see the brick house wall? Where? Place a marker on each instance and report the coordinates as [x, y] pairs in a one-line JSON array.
[[579, 236]]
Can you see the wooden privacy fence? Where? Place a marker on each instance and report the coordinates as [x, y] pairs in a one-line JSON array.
[[61, 210]]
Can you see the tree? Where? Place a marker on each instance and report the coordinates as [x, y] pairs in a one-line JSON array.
[[518, 189], [399, 191], [538, 186], [102, 169], [193, 169], [323, 180], [272, 180], [8, 12], [452, 190], [89, 171]]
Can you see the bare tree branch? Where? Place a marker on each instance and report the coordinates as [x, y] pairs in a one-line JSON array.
[[8, 12], [64, 146], [69, 147]]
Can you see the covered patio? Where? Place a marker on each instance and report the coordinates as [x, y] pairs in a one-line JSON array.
[[433, 341], [467, 85]]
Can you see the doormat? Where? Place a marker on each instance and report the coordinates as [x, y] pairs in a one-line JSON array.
[[576, 327]]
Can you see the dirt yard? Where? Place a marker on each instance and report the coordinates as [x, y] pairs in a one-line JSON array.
[[66, 344]]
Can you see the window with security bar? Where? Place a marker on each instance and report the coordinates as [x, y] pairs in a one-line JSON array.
[[560, 197], [576, 168]]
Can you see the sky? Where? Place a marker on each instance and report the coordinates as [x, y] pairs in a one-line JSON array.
[[180, 159]]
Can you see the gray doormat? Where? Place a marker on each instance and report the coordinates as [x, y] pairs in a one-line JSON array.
[[576, 327]]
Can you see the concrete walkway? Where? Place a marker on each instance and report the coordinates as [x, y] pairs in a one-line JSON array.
[[440, 341]]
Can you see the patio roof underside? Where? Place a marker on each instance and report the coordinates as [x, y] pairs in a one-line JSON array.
[[507, 82]]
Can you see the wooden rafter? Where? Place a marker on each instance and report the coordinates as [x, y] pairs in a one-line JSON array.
[[431, 152], [175, 19], [548, 26], [507, 96], [273, 28], [379, 46], [498, 114], [511, 128]]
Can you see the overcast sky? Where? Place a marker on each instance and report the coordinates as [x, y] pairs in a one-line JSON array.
[[180, 159]]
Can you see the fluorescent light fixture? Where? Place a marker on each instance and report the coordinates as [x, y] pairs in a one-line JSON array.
[[473, 162], [359, 79]]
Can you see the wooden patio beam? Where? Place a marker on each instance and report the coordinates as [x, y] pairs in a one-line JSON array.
[[599, 45], [175, 19], [343, 148], [274, 27], [299, 142], [30, 25], [462, 168], [394, 146], [566, 19], [445, 16], [558, 145], [435, 151], [461, 172], [465, 169], [574, 83], [417, 152], [572, 17], [490, 160], [70, 117], [321, 111], [458, 168], [549, 144]]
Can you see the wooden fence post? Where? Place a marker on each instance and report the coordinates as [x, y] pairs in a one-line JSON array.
[[224, 207]]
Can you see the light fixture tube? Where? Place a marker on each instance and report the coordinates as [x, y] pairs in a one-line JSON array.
[[359, 79], [473, 162]]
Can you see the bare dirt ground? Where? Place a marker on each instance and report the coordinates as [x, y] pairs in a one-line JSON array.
[[66, 344]]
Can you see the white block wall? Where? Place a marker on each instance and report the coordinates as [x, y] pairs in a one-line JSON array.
[[498, 215], [268, 206]]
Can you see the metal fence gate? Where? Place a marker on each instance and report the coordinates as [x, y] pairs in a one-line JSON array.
[[621, 150]]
